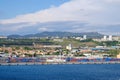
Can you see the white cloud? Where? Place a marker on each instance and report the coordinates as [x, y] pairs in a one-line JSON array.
[[93, 12], [43, 29], [112, 1]]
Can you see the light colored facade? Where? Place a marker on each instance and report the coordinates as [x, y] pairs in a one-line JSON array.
[[118, 56], [110, 38], [69, 47], [58, 40], [84, 36], [3, 37], [116, 38]]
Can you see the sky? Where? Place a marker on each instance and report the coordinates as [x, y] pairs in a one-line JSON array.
[[35, 16]]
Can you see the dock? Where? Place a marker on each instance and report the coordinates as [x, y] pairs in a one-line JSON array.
[[18, 64]]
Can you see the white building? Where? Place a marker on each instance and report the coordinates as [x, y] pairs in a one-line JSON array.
[[69, 47], [78, 38], [58, 40], [3, 37], [105, 38], [84, 36], [110, 38]]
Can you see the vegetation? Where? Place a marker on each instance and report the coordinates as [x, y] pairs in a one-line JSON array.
[[74, 42], [110, 43], [114, 52], [56, 53], [87, 40], [26, 42], [27, 48]]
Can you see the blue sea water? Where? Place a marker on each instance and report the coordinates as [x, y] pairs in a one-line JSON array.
[[61, 72]]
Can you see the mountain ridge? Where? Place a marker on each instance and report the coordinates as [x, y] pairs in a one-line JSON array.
[[58, 34]]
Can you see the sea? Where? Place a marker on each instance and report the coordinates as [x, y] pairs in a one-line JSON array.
[[61, 72]]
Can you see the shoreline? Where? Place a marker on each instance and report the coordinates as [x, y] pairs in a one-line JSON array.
[[46, 63]]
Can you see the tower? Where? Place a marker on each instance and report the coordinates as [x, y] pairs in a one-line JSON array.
[[110, 38], [84, 36], [105, 37]]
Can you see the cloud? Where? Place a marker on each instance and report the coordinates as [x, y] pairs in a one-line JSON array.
[[112, 1], [96, 14], [73, 10], [42, 29]]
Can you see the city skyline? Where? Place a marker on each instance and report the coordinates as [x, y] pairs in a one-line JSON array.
[[34, 16]]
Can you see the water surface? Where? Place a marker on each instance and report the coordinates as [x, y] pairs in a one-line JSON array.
[[61, 72]]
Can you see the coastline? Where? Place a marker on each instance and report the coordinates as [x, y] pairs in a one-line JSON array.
[[46, 63]]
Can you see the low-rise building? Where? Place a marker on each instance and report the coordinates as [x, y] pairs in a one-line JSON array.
[[58, 40], [3, 37], [118, 56]]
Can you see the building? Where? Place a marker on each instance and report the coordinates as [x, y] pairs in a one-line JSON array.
[[3, 37], [118, 56], [105, 38], [52, 46], [110, 38], [84, 36], [58, 40], [116, 38], [78, 38], [69, 47]]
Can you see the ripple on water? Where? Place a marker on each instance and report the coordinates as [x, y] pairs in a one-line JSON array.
[[61, 72]]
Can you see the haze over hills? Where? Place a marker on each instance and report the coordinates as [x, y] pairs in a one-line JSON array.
[[59, 34]]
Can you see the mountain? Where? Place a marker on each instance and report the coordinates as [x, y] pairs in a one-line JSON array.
[[59, 34], [14, 36]]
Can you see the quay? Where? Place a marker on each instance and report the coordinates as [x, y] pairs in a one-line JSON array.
[[46, 63]]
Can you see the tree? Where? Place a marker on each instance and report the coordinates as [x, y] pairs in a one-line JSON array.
[[17, 48], [110, 43], [113, 52], [27, 48], [87, 40], [6, 51], [35, 55], [56, 53]]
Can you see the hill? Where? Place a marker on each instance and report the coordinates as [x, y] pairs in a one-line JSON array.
[[59, 34]]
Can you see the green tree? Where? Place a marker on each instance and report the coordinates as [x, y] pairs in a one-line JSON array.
[[27, 48], [17, 48], [56, 53], [113, 52], [6, 51]]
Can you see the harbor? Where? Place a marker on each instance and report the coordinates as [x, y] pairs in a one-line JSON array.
[[54, 60]]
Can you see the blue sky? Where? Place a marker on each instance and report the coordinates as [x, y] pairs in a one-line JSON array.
[[10, 9], [34, 16]]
